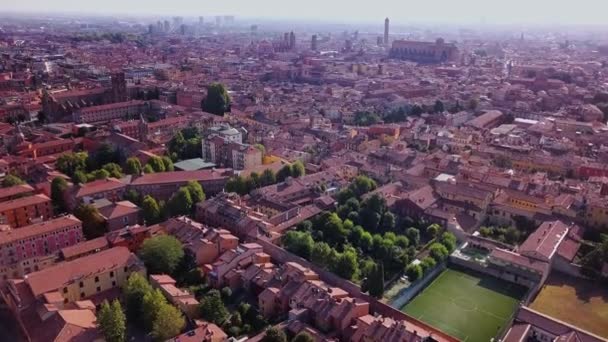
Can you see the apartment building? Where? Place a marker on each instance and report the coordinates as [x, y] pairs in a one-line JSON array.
[[35, 247], [25, 210], [108, 112]]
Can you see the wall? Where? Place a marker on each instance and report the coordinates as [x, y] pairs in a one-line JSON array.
[[414, 289]]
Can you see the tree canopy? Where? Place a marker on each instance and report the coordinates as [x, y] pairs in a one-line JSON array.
[[58, 189], [112, 321], [217, 101], [11, 180], [161, 254], [93, 224]]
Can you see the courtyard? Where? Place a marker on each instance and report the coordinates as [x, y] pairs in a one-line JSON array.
[[576, 301]]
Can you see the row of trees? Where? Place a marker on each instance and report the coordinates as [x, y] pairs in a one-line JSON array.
[[148, 309], [509, 235], [594, 261], [275, 334], [438, 253], [244, 185]]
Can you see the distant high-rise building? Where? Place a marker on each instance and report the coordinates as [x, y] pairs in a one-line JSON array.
[[166, 26], [292, 40], [313, 43], [386, 24], [218, 21], [254, 30], [379, 41]]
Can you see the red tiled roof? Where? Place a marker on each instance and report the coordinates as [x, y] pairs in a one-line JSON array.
[[85, 247], [543, 242], [15, 190], [23, 201], [55, 277], [38, 229], [521, 260], [181, 176], [97, 186]]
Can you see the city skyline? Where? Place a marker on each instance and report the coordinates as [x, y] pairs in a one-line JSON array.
[[583, 12]]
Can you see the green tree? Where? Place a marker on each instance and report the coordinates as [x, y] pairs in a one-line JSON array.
[[300, 243], [156, 163], [152, 303], [113, 169], [133, 196], [303, 337], [98, 175], [151, 210], [428, 263], [438, 252], [362, 185], [413, 272], [217, 101], [161, 254], [177, 144], [134, 291], [112, 321], [196, 191], [439, 107], [267, 178], [320, 254], [93, 224], [58, 189], [375, 281], [148, 169], [414, 235], [168, 323], [274, 335], [333, 229], [168, 164], [133, 166], [283, 173], [298, 169], [347, 265], [11, 180], [180, 203], [212, 308], [433, 230], [68, 163], [365, 118], [79, 177], [449, 241]]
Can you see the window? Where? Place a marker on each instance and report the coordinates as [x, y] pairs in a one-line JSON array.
[[111, 274], [82, 295], [65, 290], [97, 279], [81, 284], [113, 284], [98, 288]]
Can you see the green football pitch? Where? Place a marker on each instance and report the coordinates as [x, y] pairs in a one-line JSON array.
[[469, 306]]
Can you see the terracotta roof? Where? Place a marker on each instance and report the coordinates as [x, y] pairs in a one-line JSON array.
[[181, 176], [38, 229], [555, 326], [55, 277], [543, 242], [118, 209], [15, 190], [97, 186], [99, 244], [23, 201]]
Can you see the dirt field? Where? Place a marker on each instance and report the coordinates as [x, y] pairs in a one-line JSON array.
[[575, 301]]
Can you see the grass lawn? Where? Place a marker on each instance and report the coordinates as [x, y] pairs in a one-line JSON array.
[[576, 301], [469, 306]]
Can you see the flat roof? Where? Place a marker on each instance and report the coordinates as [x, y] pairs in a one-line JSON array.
[[193, 164]]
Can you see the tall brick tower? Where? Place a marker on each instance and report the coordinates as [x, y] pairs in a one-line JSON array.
[[119, 87], [386, 24]]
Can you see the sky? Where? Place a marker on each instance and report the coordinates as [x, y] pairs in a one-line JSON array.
[[400, 11]]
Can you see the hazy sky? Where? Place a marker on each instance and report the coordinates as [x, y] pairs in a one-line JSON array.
[[401, 11]]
